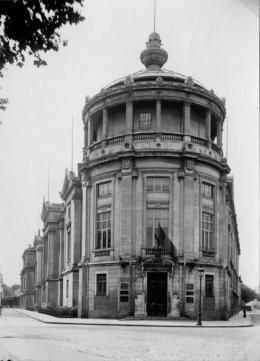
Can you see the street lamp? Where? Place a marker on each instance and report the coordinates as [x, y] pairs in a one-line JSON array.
[[200, 272]]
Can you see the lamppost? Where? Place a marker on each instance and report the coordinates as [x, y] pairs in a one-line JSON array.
[[201, 272]]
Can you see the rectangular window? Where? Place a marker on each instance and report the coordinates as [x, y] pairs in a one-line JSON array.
[[207, 190], [68, 245], [207, 231], [154, 216], [209, 286], [104, 189], [158, 184], [103, 239], [124, 292], [189, 293], [101, 286], [145, 121]]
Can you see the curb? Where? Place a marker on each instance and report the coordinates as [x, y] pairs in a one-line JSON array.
[[132, 325]]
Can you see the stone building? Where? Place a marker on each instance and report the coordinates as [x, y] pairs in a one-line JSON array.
[[52, 283], [151, 203], [39, 274], [28, 278]]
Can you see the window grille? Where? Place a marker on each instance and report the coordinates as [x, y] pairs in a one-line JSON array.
[[154, 217], [103, 238], [158, 184], [124, 292], [189, 293], [207, 190], [145, 121], [104, 189], [207, 231]]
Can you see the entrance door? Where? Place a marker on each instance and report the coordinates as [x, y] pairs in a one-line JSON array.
[[157, 293]]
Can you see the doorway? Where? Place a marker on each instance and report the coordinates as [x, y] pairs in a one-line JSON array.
[[157, 294]]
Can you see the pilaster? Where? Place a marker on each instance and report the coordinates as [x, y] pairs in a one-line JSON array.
[[158, 114], [105, 122], [186, 124], [208, 125], [129, 117]]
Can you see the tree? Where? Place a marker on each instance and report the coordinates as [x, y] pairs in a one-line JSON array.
[[6, 290], [31, 27], [247, 294]]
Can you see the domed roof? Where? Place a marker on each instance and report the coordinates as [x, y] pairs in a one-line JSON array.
[[151, 75], [153, 57]]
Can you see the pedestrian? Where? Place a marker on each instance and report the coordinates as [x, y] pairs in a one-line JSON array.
[[244, 310]]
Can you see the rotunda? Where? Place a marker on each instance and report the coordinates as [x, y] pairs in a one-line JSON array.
[[157, 203]]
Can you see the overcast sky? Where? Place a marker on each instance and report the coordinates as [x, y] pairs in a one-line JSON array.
[[215, 41]]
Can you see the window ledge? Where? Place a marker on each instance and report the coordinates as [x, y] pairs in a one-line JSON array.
[[102, 252], [208, 253]]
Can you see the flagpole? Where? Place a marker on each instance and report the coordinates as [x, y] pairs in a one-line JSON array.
[[72, 144], [48, 182], [227, 140]]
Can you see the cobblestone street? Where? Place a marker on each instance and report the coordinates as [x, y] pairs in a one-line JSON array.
[[24, 339]]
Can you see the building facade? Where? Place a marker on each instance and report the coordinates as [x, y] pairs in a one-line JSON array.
[[28, 278], [152, 202]]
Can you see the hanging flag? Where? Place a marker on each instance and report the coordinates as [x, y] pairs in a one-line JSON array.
[[164, 242]]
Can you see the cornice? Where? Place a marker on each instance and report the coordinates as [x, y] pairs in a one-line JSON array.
[[148, 153], [152, 88], [71, 185]]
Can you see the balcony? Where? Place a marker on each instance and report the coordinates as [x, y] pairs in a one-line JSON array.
[[153, 140]]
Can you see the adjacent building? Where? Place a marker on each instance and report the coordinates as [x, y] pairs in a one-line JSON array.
[[150, 204], [28, 278]]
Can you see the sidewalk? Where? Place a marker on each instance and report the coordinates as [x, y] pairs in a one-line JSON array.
[[235, 321]]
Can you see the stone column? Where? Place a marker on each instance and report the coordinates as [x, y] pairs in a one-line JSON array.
[[219, 133], [129, 117], [86, 135], [208, 125], [105, 123], [90, 136], [84, 220], [158, 114], [186, 125]]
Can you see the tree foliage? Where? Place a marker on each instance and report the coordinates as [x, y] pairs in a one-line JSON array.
[[10, 291], [31, 27], [247, 294]]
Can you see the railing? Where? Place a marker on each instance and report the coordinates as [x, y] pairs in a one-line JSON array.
[[95, 145], [152, 136], [199, 141], [216, 148], [155, 251], [116, 140], [171, 136], [144, 136]]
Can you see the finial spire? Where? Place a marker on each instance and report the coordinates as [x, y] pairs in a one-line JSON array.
[[154, 57], [154, 15]]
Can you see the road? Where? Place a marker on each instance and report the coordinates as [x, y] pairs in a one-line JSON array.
[[26, 339]]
